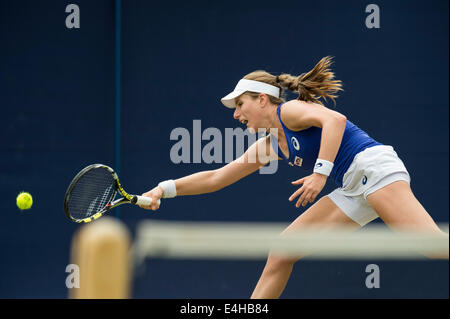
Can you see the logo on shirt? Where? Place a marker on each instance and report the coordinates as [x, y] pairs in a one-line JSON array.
[[298, 161], [364, 180], [295, 143]]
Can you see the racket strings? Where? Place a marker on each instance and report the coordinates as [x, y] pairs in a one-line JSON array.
[[91, 193]]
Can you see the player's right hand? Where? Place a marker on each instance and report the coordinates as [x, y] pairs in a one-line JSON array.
[[155, 194]]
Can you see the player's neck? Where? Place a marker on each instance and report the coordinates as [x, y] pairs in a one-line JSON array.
[[274, 121]]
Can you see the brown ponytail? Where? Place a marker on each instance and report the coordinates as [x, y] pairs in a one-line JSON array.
[[311, 86], [315, 84]]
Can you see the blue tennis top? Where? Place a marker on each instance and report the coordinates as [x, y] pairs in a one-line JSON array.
[[304, 147]]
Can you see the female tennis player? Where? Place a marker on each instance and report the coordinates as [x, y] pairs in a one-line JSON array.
[[371, 179]]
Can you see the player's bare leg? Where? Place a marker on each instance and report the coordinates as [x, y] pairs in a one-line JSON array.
[[326, 215], [400, 210]]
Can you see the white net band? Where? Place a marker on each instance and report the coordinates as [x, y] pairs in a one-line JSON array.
[[227, 240]]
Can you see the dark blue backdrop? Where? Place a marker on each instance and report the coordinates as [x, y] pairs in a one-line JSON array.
[[58, 87]]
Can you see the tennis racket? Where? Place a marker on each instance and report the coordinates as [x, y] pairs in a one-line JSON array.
[[92, 191]]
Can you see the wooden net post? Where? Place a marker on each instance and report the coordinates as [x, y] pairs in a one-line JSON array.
[[101, 250]]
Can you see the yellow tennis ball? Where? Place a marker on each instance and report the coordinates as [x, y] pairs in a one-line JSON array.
[[24, 200]]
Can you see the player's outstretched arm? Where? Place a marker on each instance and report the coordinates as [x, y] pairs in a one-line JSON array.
[[256, 156]]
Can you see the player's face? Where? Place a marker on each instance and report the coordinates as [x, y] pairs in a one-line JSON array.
[[247, 112]]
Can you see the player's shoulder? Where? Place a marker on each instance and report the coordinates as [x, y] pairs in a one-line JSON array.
[[264, 140], [261, 141], [294, 109]]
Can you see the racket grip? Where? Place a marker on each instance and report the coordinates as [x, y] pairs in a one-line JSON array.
[[145, 201]]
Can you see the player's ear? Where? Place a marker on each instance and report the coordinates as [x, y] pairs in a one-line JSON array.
[[262, 99]]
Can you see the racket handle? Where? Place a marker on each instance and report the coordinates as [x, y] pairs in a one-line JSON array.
[[145, 201]]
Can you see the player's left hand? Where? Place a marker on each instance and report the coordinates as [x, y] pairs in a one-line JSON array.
[[312, 186]]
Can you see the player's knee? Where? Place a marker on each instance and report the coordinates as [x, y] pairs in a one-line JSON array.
[[276, 262]]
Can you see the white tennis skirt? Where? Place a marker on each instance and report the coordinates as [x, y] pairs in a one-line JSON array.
[[371, 169]]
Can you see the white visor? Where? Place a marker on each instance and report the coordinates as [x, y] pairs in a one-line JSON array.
[[252, 86]]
